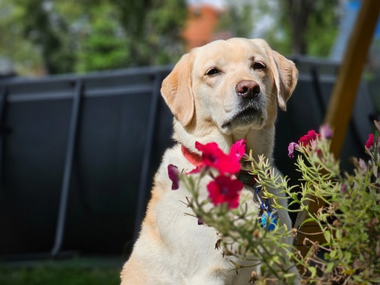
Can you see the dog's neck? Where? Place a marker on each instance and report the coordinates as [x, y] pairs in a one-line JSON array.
[[259, 141]]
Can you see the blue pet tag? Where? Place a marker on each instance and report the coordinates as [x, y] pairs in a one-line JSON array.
[[268, 216], [269, 220]]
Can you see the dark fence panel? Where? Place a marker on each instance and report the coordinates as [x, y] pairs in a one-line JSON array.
[[117, 110], [78, 153]]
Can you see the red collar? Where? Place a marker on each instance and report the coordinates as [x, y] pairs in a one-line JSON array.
[[194, 158]]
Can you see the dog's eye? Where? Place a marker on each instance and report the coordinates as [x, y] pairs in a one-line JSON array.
[[258, 65], [212, 71]]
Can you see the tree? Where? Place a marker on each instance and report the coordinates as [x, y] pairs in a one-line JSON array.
[[103, 44], [154, 27], [312, 25], [85, 35], [35, 24], [305, 27], [238, 19]]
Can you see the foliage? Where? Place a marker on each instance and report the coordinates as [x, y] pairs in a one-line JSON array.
[[153, 28], [84, 35], [30, 36], [322, 28], [104, 43], [245, 240], [237, 19], [348, 217], [310, 26], [58, 275], [305, 27]]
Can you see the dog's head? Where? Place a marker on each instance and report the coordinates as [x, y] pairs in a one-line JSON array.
[[232, 85]]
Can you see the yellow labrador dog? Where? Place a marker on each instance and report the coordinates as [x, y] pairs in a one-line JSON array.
[[221, 92]]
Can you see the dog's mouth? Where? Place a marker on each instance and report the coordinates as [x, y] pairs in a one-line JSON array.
[[246, 116]]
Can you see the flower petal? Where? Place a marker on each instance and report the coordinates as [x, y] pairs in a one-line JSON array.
[[173, 173], [292, 146], [370, 141], [238, 149], [213, 156], [326, 131], [308, 138], [224, 189]]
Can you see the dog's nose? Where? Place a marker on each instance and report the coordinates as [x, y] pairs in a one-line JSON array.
[[247, 89]]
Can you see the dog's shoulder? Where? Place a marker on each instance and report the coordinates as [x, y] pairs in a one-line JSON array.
[[172, 156]]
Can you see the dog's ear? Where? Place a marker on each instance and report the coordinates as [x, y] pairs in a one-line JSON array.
[[285, 78], [177, 90]]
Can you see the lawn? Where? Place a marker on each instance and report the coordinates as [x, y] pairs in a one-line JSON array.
[[54, 273]]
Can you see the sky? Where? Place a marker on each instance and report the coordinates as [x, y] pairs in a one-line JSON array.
[[216, 3]]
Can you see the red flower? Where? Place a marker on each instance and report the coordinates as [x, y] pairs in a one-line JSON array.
[[225, 190], [370, 141], [308, 138], [211, 153], [214, 157]]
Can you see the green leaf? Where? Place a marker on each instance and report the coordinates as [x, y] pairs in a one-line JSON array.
[[338, 234], [327, 236], [329, 267], [307, 220], [289, 275], [333, 253], [313, 271], [348, 256], [358, 278]]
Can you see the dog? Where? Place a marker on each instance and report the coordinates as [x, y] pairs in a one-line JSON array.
[[222, 92]]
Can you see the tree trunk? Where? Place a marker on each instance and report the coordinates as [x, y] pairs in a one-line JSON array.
[[298, 13]]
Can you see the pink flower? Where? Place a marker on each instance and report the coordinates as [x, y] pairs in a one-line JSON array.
[[292, 146], [326, 131], [362, 165], [238, 149], [343, 188], [224, 189], [308, 138], [370, 141], [173, 173], [213, 156]]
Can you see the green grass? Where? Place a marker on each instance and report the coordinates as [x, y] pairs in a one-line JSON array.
[[59, 275]]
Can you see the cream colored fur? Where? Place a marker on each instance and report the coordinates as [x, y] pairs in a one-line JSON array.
[[172, 248]]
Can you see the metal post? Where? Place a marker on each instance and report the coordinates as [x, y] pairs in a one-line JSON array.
[[317, 88], [3, 94], [68, 168], [143, 185]]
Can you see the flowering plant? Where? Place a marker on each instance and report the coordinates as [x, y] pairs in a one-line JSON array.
[[348, 214], [226, 209]]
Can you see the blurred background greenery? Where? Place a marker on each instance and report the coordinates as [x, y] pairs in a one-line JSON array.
[[64, 36], [53, 273]]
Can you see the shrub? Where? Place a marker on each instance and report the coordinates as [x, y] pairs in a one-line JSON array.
[[348, 215]]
